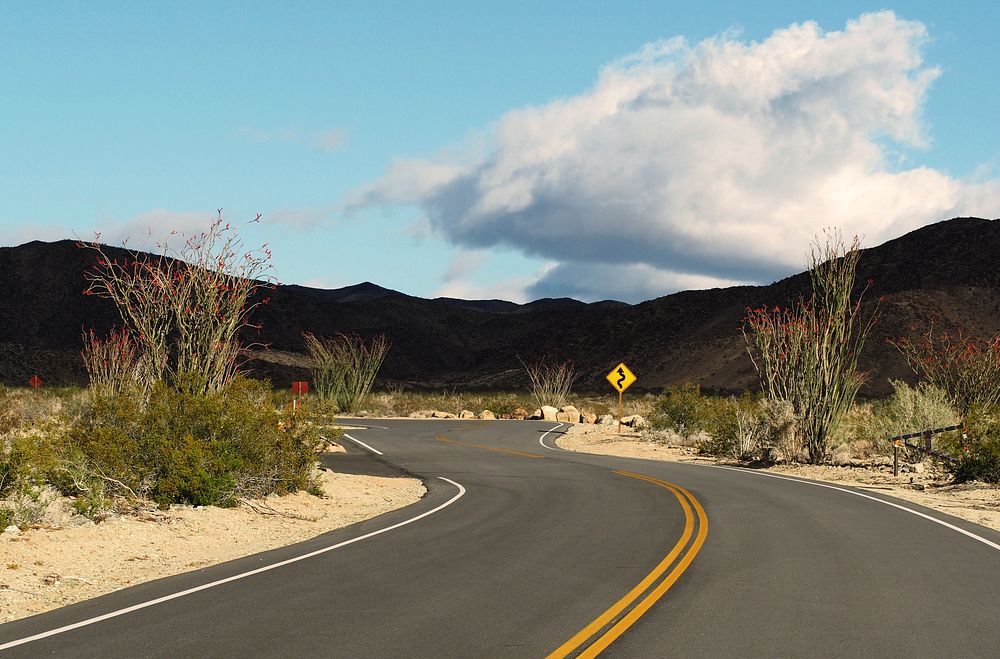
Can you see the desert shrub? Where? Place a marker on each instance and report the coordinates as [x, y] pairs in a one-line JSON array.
[[966, 368], [749, 431], [344, 367], [745, 428], [25, 462], [981, 462], [29, 457], [717, 425], [25, 505], [74, 476], [908, 409], [550, 382], [808, 355], [734, 427], [781, 439], [182, 446], [682, 409], [10, 469], [977, 453]]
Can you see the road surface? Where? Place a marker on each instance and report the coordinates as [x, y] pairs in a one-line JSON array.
[[520, 549]]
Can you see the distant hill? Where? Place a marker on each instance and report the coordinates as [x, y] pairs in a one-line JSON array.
[[949, 270]]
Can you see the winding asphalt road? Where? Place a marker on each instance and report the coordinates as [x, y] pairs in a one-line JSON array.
[[520, 549]]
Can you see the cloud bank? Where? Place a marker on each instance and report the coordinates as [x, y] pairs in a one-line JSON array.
[[701, 165]]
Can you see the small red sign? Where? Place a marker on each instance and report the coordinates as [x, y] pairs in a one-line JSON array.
[[35, 381], [300, 388]]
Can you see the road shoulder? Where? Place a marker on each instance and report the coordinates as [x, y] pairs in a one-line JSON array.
[[58, 564], [975, 502]]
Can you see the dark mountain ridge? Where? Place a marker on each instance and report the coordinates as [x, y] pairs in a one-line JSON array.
[[949, 270]]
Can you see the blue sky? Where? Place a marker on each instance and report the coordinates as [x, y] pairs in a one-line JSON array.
[[468, 149]]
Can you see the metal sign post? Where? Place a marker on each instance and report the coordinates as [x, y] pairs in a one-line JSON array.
[[621, 379]]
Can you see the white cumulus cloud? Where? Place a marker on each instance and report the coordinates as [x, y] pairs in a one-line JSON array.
[[701, 165]]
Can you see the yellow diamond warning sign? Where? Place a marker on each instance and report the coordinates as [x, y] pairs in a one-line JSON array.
[[621, 378]]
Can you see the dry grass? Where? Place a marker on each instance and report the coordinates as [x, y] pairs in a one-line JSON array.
[[401, 403]]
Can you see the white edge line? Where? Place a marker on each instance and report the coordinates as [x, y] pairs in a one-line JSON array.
[[542, 438], [361, 443], [978, 538], [213, 584]]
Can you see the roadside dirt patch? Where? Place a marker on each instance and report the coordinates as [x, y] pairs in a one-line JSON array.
[[75, 559], [975, 502]]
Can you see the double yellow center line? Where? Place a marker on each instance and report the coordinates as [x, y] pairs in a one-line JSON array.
[[508, 451], [615, 621], [623, 614]]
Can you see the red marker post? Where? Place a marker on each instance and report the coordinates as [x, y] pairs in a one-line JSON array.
[[299, 388], [35, 382]]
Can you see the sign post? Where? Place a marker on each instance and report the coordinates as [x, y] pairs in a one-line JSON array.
[[621, 379], [35, 381], [299, 388]]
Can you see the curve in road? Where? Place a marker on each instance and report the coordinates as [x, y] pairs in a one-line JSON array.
[[568, 554]]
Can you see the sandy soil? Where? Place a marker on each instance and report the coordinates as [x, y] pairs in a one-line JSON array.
[[975, 502], [72, 559]]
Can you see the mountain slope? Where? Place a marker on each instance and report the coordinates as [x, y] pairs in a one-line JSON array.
[[949, 270]]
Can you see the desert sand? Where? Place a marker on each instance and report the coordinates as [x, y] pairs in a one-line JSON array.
[[69, 558]]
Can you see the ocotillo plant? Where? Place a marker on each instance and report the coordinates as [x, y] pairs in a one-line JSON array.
[[112, 364], [966, 368], [184, 308], [327, 376], [808, 355], [550, 383], [344, 367]]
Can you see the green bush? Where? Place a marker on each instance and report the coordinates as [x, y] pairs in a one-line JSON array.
[[29, 458], [682, 409], [980, 463], [25, 461], [184, 446], [908, 409], [746, 428], [10, 467], [977, 455], [739, 428], [720, 421], [716, 421]]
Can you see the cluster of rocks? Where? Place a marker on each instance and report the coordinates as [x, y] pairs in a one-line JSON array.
[[565, 414]]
